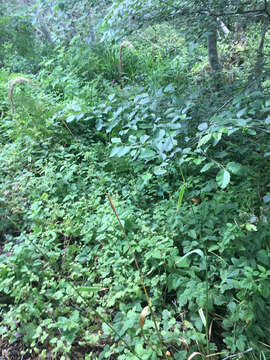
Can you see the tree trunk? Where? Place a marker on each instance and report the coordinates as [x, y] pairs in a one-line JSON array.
[[260, 55], [92, 32], [239, 34], [212, 47]]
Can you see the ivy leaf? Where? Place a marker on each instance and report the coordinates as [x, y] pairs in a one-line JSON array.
[[223, 178]]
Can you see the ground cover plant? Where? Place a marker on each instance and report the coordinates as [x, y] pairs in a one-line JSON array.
[[134, 181]]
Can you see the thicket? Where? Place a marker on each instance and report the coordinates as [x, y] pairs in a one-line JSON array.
[[130, 164]]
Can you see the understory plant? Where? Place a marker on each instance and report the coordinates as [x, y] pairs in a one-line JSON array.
[[134, 208]]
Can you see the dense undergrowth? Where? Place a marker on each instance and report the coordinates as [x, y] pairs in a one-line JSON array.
[[186, 166]]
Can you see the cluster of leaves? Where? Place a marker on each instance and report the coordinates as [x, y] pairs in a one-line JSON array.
[[190, 185], [19, 50]]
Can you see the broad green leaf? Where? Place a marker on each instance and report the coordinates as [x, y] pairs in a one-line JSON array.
[[144, 101], [217, 136], [180, 197], [116, 140], [169, 88], [159, 170], [208, 166], [111, 97], [203, 126], [199, 160], [223, 178], [196, 251], [147, 154], [70, 118], [89, 288], [204, 140], [241, 112], [120, 151], [266, 199], [201, 313], [251, 227], [234, 167], [143, 138], [132, 139], [76, 107]]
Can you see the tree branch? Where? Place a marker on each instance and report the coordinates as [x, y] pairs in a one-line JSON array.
[[238, 354], [266, 8]]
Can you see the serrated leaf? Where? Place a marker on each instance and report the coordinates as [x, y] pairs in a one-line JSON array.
[[223, 178]]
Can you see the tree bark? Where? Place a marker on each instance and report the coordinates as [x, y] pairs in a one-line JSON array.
[[239, 35], [260, 55], [212, 47], [92, 32]]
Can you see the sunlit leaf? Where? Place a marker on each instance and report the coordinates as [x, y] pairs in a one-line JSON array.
[[234, 167], [204, 140], [201, 313], [207, 166], [203, 126], [223, 178]]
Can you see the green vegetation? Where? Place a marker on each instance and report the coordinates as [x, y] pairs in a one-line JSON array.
[[134, 180]]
